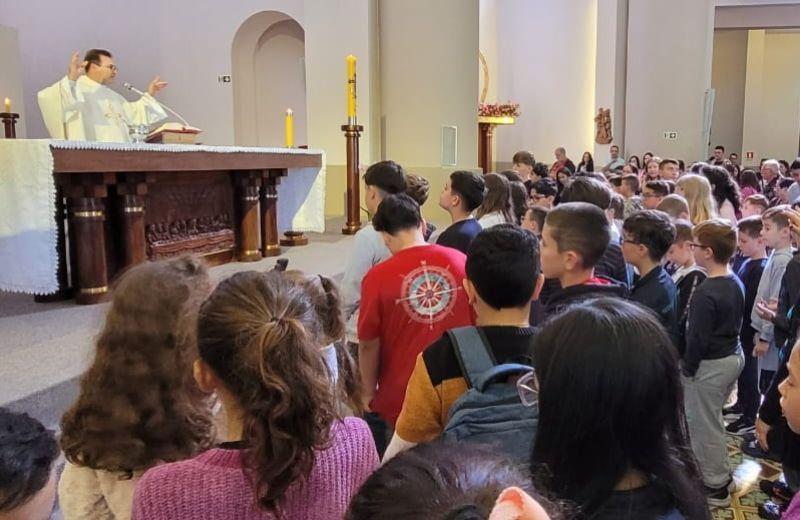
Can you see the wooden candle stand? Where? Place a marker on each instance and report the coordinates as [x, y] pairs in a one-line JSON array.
[[352, 132], [10, 124]]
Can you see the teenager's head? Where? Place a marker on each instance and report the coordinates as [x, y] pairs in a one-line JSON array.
[[587, 189], [534, 219], [635, 163], [723, 187], [652, 171], [755, 204], [440, 481], [611, 401], [519, 200], [617, 207], [497, 197], [647, 234], [417, 188], [28, 453], [381, 179], [680, 252], [256, 336], [697, 191], [462, 193], [749, 178], [629, 186], [669, 170], [751, 243], [563, 176], [503, 268], [544, 192], [790, 391], [540, 171], [138, 404], [399, 222], [675, 206], [714, 242], [575, 236], [653, 193], [776, 230], [523, 163]]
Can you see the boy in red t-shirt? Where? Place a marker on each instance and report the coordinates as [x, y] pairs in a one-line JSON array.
[[407, 302]]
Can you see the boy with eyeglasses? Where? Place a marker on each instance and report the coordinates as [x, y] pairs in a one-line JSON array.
[[713, 358]]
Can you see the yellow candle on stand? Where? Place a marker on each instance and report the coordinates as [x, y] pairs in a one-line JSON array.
[[289, 128], [351, 87], [8, 106]]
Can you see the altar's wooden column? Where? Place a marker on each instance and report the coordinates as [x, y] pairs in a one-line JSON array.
[[87, 218], [269, 211], [486, 128], [132, 191], [247, 199]]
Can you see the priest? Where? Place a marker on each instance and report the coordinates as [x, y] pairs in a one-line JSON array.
[[81, 107]]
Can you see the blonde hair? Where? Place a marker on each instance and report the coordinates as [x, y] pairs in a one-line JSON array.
[[697, 191]]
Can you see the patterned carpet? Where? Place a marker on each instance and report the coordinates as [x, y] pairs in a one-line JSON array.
[[746, 472]]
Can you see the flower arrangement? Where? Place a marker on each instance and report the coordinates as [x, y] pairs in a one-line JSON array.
[[498, 110]]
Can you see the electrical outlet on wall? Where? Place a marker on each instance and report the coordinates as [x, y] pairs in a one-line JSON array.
[[670, 135], [224, 78]]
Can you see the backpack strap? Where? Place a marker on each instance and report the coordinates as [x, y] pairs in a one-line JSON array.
[[500, 372], [472, 352]]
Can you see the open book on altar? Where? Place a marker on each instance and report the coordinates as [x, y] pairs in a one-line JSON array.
[[174, 133]]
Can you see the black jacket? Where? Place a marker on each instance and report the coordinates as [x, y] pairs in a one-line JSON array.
[[562, 298], [656, 291]]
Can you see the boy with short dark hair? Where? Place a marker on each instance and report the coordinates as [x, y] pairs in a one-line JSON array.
[[534, 220], [629, 188], [381, 179], [647, 236], [543, 193], [407, 301], [461, 196], [713, 357], [653, 193], [687, 276], [503, 277], [28, 453], [754, 250], [574, 238]]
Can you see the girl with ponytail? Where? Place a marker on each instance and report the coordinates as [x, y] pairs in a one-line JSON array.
[[287, 454]]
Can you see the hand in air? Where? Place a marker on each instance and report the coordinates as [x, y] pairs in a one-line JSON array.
[[156, 86], [76, 67]]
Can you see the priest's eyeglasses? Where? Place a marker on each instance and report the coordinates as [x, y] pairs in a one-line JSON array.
[[528, 389], [112, 67]]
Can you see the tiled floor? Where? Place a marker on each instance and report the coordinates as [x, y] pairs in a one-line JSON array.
[[746, 472]]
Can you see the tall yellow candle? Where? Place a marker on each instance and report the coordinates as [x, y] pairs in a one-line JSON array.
[[351, 87], [289, 128], [8, 106]]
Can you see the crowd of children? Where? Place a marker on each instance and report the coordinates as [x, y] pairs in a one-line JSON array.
[[564, 348]]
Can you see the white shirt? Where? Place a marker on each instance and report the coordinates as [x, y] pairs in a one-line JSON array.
[[492, 219], [368, 251], [726, 211], [85, 110]]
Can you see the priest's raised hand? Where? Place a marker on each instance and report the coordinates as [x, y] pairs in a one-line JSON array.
[[156, 86], [76, 67]]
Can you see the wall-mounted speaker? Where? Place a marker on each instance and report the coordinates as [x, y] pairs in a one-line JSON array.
[[449, 145]]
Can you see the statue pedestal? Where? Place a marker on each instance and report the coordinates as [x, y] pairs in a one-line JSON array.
[[486, 126]]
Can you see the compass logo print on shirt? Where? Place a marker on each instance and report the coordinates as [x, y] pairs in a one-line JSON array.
[[428, 293]]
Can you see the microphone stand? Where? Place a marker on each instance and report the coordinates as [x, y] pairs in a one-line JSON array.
[[130, 87]]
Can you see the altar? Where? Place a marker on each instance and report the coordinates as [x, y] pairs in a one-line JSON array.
[[114, 205]]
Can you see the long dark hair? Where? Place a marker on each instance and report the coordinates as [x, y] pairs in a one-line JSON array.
[[497, 198], [722, 185], [257, 332], [610, 400], [588, 163], [138, 403], [750, 178]]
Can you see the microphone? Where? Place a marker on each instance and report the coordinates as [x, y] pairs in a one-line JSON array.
[[130, 87]]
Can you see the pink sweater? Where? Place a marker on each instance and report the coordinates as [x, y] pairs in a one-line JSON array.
[[213, 485]]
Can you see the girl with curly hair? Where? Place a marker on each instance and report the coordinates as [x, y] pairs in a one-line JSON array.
[[725, 191], [287, 454], [138, 404]]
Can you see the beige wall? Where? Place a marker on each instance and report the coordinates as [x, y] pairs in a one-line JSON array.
[[11, 77], [772, 99], [428, 66], [610, 74], [728, 76], [668, 74]]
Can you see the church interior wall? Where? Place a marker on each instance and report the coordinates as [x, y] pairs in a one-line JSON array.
[[11, 79], [728, 75]]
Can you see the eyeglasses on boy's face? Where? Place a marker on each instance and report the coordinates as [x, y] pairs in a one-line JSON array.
[[695, 245], [528, 389]]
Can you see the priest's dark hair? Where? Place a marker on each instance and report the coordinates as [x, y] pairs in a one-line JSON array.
[[93, 56], [387, 176], [397, 213]]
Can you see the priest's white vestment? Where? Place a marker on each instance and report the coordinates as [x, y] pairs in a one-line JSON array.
[[85, 110]]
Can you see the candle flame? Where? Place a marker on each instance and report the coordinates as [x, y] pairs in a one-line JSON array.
[[289, 111]]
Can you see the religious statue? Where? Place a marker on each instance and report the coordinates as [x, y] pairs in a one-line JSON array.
[[603, 126]]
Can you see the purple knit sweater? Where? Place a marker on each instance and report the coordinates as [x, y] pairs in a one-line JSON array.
[[213, 485]]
